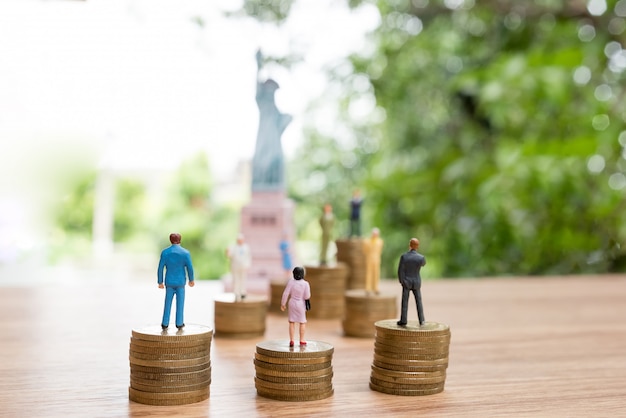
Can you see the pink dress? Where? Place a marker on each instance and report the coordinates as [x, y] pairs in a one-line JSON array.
[[297, 291]]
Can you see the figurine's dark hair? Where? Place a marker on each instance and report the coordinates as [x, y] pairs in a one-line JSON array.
[[298, 273], [175, 238]]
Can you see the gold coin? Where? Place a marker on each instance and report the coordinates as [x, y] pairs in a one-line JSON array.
[[171, 377], [411, 356], [291, 360], [294, 374], [292, 386], [280, 348], [295, 379], [405, 392], [295, 396], [298, 397], [406, 380], [403, 386], [411, 349], [188, 333], [262, 365], [409, 368], [169, 388], [163, 399], [161, 369], [165, 345], [169, 356], [169, 363], [403, 374], [169, 349], [390, 326], [413, 363], [413, 339]]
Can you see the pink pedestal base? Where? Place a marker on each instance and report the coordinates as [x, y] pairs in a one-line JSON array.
[[264, 220]]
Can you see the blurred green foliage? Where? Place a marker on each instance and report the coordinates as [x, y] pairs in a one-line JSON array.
[[206, 228], [143, 223], [129, 201], [495, 134], [274, 11]]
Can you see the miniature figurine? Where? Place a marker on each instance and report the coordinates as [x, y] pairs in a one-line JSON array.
[[355, 213], [240, 259], [176, 261], [268, 160], [372, 249], [409, 268], [298, 292], [285, 255], [327, 221]]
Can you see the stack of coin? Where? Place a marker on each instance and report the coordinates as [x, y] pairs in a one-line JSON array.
[[363, 309], [242, 319], [170, 367], [328, 285], [410, 360], [350, 252], [301, 373], [277, 287]]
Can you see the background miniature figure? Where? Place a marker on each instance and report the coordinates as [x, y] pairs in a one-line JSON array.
[[409, 268], [176, 261], [355, 214], [297, 292], [372, 249], [327, 221], [240, 259], [285, 255]]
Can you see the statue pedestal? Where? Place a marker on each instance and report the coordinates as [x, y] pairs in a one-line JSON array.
[[264, 221]]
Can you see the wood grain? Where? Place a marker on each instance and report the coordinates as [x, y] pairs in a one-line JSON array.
[[520, 347]]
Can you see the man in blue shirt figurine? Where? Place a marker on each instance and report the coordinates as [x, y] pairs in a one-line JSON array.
[[177, 263]]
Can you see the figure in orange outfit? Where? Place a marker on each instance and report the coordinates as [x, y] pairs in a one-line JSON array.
[[373, 249]]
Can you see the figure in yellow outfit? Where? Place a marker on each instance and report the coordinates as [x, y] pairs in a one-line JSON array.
[[373, 249]]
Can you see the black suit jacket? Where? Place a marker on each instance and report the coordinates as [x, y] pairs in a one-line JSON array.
[[409, 268]]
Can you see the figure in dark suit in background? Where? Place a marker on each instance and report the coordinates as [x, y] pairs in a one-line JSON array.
[[409, 268], [355, 214], [176, 261]]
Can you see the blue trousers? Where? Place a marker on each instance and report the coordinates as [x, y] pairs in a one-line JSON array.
[[180, 304]]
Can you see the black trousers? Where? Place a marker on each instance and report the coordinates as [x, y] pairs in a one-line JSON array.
[[414, 285]]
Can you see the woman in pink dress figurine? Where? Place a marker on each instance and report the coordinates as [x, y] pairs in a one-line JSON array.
[[298, 292]]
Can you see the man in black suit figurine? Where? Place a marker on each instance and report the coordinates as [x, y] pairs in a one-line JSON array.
[[409, 275]]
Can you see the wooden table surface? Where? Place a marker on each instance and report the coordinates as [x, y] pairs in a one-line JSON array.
[[551, 346]]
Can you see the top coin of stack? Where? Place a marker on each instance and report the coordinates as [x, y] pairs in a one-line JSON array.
[[410, 360], [170, 367], [286, 373]]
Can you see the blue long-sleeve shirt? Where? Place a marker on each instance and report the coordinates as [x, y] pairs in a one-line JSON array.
[[176, 261]]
